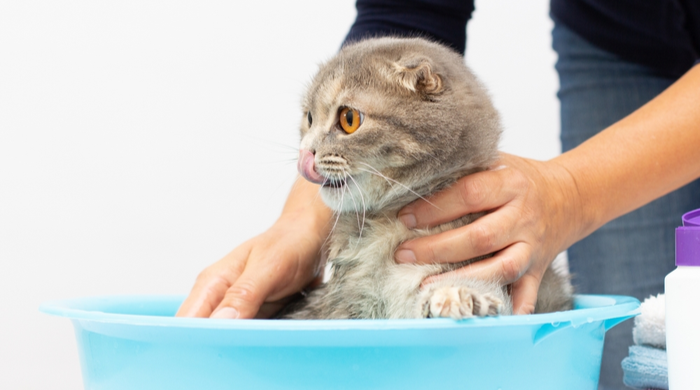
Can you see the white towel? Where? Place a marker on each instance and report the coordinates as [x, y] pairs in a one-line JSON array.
[[650, 326]]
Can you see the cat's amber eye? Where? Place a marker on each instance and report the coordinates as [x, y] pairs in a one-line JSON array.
[[350, 119], [308, 117]]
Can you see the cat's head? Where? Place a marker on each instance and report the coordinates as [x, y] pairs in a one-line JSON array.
[[389, 118]]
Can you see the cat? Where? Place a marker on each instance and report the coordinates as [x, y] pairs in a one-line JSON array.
[[387, 121]]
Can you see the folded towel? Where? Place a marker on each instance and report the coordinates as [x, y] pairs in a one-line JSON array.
[[645, 367], [650, 325]]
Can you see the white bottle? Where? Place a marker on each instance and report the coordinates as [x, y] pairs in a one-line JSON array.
[[683, 308]]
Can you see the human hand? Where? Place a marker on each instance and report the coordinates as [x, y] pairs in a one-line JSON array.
[[533, 213], [255, 279]]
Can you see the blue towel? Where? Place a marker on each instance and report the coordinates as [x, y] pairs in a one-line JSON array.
[[645, 368]]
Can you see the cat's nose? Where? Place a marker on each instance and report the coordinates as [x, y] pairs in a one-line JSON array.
[[307, 167]]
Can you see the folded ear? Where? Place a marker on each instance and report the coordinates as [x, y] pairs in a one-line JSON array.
[[417, 74]]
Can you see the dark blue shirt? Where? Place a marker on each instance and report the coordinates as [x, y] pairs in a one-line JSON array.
[[662, 34]]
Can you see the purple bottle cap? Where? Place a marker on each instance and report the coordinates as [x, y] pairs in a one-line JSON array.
[[691, 218], [688, 240]]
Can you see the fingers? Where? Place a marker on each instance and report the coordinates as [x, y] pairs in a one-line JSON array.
[[510, 266], [481, 191], [265, 269], [244, 298], [204, 297], [525, 225], [524, 293], [270, 275], [505, 266], [486, 235], [506, 270], [211, 285]]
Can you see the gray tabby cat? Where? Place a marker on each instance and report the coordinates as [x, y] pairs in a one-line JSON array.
[[387, 121]]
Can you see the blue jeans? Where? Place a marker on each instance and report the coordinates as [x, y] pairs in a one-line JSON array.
[[632, 254]]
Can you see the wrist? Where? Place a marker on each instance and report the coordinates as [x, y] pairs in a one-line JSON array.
[[583, 211], [305, 210]]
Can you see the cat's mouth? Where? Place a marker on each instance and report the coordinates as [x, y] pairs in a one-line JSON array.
[[334, 167], [335, 183]]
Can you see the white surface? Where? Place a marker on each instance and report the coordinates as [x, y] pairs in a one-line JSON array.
[[140, 141], [682, 336]]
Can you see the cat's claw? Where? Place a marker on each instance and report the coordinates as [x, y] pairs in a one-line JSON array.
[[461, 302]]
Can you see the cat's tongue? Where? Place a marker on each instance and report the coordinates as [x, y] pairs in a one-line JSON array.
[[305, 166]]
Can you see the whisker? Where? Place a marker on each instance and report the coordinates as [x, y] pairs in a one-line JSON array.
[[273, 162], [364, 207], [328, 237], [357, 214], [318, 193], [266, 142], [376, 172], [342, 198], [354, 204]]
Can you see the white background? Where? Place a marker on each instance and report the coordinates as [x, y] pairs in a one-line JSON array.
[[142, 140]]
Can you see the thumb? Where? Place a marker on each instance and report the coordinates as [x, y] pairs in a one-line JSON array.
[[244, 298], [525, 294]]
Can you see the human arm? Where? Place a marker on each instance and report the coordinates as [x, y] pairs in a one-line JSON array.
[[538, 209], [267, 268]]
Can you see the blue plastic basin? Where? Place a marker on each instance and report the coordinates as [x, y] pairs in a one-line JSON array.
[[134, 342]]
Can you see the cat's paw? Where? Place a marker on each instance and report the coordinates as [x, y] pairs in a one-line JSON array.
[[461, 302]]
